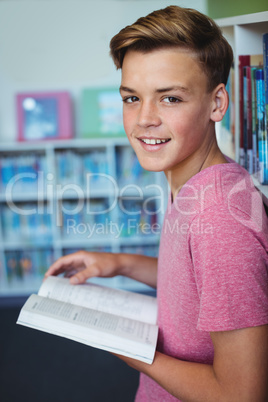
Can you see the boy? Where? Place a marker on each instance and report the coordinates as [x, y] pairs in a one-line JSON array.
[[211, 274]]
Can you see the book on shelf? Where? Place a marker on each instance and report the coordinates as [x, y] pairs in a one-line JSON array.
[[101, 113], [228, 121], [24, 265], [94, 219], [247, 118], [253, 115], [85, 220], [79, 167], [261, 128], [243, 61], [265, 66], [117, 321], [21, 171], [253, 154], [26, 224], [138, 219], [129, 170], [265, 73]]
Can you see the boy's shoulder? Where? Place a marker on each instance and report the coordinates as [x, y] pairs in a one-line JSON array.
[[226, 187], [218, 181]]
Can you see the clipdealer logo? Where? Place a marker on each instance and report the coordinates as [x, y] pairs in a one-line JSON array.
[[51, 196], [48, 191], [110, 228], [254, 217]]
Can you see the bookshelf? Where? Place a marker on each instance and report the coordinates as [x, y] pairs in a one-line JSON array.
[[244, 33], [59, 197]]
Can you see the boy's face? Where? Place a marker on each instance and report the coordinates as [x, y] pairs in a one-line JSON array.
[[166, 108]]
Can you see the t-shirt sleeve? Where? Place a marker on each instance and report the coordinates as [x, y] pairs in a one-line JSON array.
[[230, 266]]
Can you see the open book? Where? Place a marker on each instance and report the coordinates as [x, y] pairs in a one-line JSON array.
[[115, 320]]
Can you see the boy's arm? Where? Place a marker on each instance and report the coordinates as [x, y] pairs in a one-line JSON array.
[[239, 372], [83, 265]]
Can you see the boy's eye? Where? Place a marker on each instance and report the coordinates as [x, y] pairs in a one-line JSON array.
[[171, 99], [130, 99]]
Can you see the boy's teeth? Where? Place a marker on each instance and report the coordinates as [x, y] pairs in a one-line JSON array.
[[152, 141]]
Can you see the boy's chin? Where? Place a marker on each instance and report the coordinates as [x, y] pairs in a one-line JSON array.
[[151, 167], [150, 163]]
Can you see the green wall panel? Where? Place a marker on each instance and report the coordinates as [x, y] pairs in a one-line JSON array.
[[229, 8]]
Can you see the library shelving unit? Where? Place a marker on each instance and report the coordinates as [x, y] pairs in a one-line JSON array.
[[244, 33], [67, 195]]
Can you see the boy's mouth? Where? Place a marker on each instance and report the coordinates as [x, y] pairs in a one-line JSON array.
[[154, 141]]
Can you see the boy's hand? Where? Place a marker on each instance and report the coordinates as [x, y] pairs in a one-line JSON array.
[[82, 265]]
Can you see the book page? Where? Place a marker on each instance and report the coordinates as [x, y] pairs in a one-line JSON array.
[[91, 327], [102, 298]]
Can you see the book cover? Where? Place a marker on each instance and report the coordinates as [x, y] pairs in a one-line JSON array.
[[245, 122], [243, 60], [7, 171], [265, 66], [261, 127], [248, 117], [101, 113], [254, 121], [44, 116], [265, 73]]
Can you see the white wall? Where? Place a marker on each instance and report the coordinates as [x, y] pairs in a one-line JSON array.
[[61, 45]]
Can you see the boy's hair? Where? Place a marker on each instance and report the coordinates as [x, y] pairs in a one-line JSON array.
[[179, 27]]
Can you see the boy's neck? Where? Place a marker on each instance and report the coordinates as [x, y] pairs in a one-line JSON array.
[[193, 165]]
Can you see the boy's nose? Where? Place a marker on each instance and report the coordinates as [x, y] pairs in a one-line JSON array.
[[148, 115]]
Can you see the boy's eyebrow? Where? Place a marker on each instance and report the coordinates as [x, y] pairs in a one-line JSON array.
[[159, 90], [126, 89], [173, 88]]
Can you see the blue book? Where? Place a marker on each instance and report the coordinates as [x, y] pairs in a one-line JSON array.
[[265, 71], [253, 121], [261, 127], [245, 129], [43, 259], [26, 264], [265, 65], [7, 170], [13, 267]]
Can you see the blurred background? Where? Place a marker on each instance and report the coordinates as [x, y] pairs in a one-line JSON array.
[[63, 45]]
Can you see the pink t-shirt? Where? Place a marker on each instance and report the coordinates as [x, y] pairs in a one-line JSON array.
[[212, 268]]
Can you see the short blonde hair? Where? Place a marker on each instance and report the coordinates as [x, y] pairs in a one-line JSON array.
[[175, 26]]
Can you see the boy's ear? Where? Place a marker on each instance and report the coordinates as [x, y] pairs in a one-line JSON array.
[[220, 103]]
